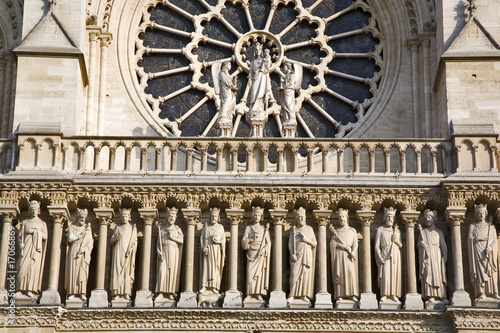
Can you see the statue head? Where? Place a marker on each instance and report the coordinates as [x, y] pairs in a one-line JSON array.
[[34, 208], [480, 212], [126, 215], [214, 215], [226, 66], [288, 67], [257, 214], [171, 215], [81, 215], [300, 216], [258, 50], [389, 215], [343, 215], [430, 217]]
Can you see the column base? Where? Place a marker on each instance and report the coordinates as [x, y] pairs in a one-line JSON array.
[[233, 299], [4, 297], [299, 303], [187, 300], [277, 299], [413, 301], [161, 302], [21, 299], [368, 301], [323, 301], [98, 299], [50, 297], [143, 299], [460, 298]]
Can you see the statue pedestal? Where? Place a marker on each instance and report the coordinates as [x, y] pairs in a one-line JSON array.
[[368, 301], [389, 304], [162, 302], [289, 129], [121, 303], [277, 299], [187, 300], [143, 299], [253, 303], [50, 297], [226, 128], [323, 301], [346, 304], [24, 300], [4, 299], [436, 305], [75, 303], [488, 302], [209, 299], [460, 298], [414, 301], [299, 303], [257, 122], [232, 299], [98, 299]]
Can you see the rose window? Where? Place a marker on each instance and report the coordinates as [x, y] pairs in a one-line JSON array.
[[226, 67]]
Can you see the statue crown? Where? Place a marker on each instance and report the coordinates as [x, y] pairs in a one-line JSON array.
[[82, 212], [172, 210], [125, 211], [300, 211], [34, 204], [342, 211], [257, 209], [215, 210], [480, 208]]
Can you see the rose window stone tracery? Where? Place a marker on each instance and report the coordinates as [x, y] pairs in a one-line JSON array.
[[328, 51]]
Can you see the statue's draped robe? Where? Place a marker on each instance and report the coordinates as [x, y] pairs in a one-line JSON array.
[[389, 277], [78, 259], [288, 98], [432, 265], [214, 238], [227, 96], [483, 268], [302, 270], [32, 257], [122, 266], [169, 269], [344, 270], [258, 255], [261, 85]]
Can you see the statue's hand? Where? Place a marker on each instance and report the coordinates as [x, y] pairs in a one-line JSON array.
[[382, 261], [294, 258], [205, 250]]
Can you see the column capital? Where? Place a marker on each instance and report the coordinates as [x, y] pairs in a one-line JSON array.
[[192, 215], [58, 213], [104, 215], [410, 218], [322, 217], [148, 215], [235, 215], [365, 217], [455, 216], [278, 215], [8, 213]]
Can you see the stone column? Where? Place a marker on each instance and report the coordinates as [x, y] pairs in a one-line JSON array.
[[188, 296], [7, 268], [59, 214], [498, 236], [278, 297], [323, 297], [455, 217], [144, 296], [413, 300], [414, 51], [101, 111], [99, 296], [90, 126], [368, 300], [233, 297]]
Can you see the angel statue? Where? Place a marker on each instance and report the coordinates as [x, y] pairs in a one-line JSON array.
[[225, 88], [291, 81]]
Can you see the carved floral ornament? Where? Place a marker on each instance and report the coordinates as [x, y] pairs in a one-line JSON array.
[[332, 48]]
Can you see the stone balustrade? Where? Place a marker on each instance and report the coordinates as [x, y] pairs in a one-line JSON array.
[[253, 156]]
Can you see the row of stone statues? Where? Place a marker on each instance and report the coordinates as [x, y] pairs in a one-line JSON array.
[[256, 241]]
